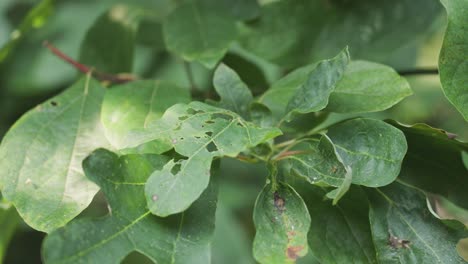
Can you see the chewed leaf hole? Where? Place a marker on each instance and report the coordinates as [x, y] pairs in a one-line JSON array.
[[182, 118], [221, 116], [212, 147], [209, 122], [192, 111], [175, 169], [53, 103], [209, 133]]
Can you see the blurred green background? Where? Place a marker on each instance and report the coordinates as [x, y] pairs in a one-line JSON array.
[[30, 74]]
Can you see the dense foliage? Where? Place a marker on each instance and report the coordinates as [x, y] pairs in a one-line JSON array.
[[184, 109]]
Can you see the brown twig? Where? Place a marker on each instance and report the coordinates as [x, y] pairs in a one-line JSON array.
[[101, 76]]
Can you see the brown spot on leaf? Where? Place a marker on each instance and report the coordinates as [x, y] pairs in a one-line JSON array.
[[333, 170], [451, 135], [279, 202], [292, 252], [291, 235], [398, 243]]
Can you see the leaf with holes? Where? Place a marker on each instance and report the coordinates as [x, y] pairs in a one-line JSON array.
[[235, 95], [405, 231], [131, 107], [453, 61], [199, 133], [373, 149], [199, 31], [41, 156], [130, 226], [281, 221]]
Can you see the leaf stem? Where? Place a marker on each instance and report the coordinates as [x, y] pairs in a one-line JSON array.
[[285, 143], [101, 76], [272, 167], [285, 152], [419, 72], [189, 72], [288, 153]]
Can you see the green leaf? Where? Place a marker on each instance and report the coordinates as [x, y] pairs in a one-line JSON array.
[[9, 219], [373, 149], [277, 97], [339, 192], [453, 64], [65, 29], [278, 34], [434, 163], [150, 34], [199, 31], [35, 19], [304, 124], [368, 87], [313, 94], [341, 233], [261, 115], [41, 156], [130, 226], [230, 242], [281, 222], [109, 44], [317, 162], [295, 32], [404, 230], [252, 72], [465, 158], [242, 9], [234, 93], [131, 107], [199, 133]]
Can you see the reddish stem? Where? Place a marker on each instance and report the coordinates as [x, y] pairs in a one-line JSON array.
[[289, 153], [119, 78]]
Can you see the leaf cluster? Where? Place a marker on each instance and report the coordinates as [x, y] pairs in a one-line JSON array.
[[359, 190]]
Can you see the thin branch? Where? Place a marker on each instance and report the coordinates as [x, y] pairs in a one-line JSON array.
[[101, 76], [289, 153], [418, 72]]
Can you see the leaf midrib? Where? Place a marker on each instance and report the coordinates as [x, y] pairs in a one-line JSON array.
[[393, 205], [106, 240], [182, 171]]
